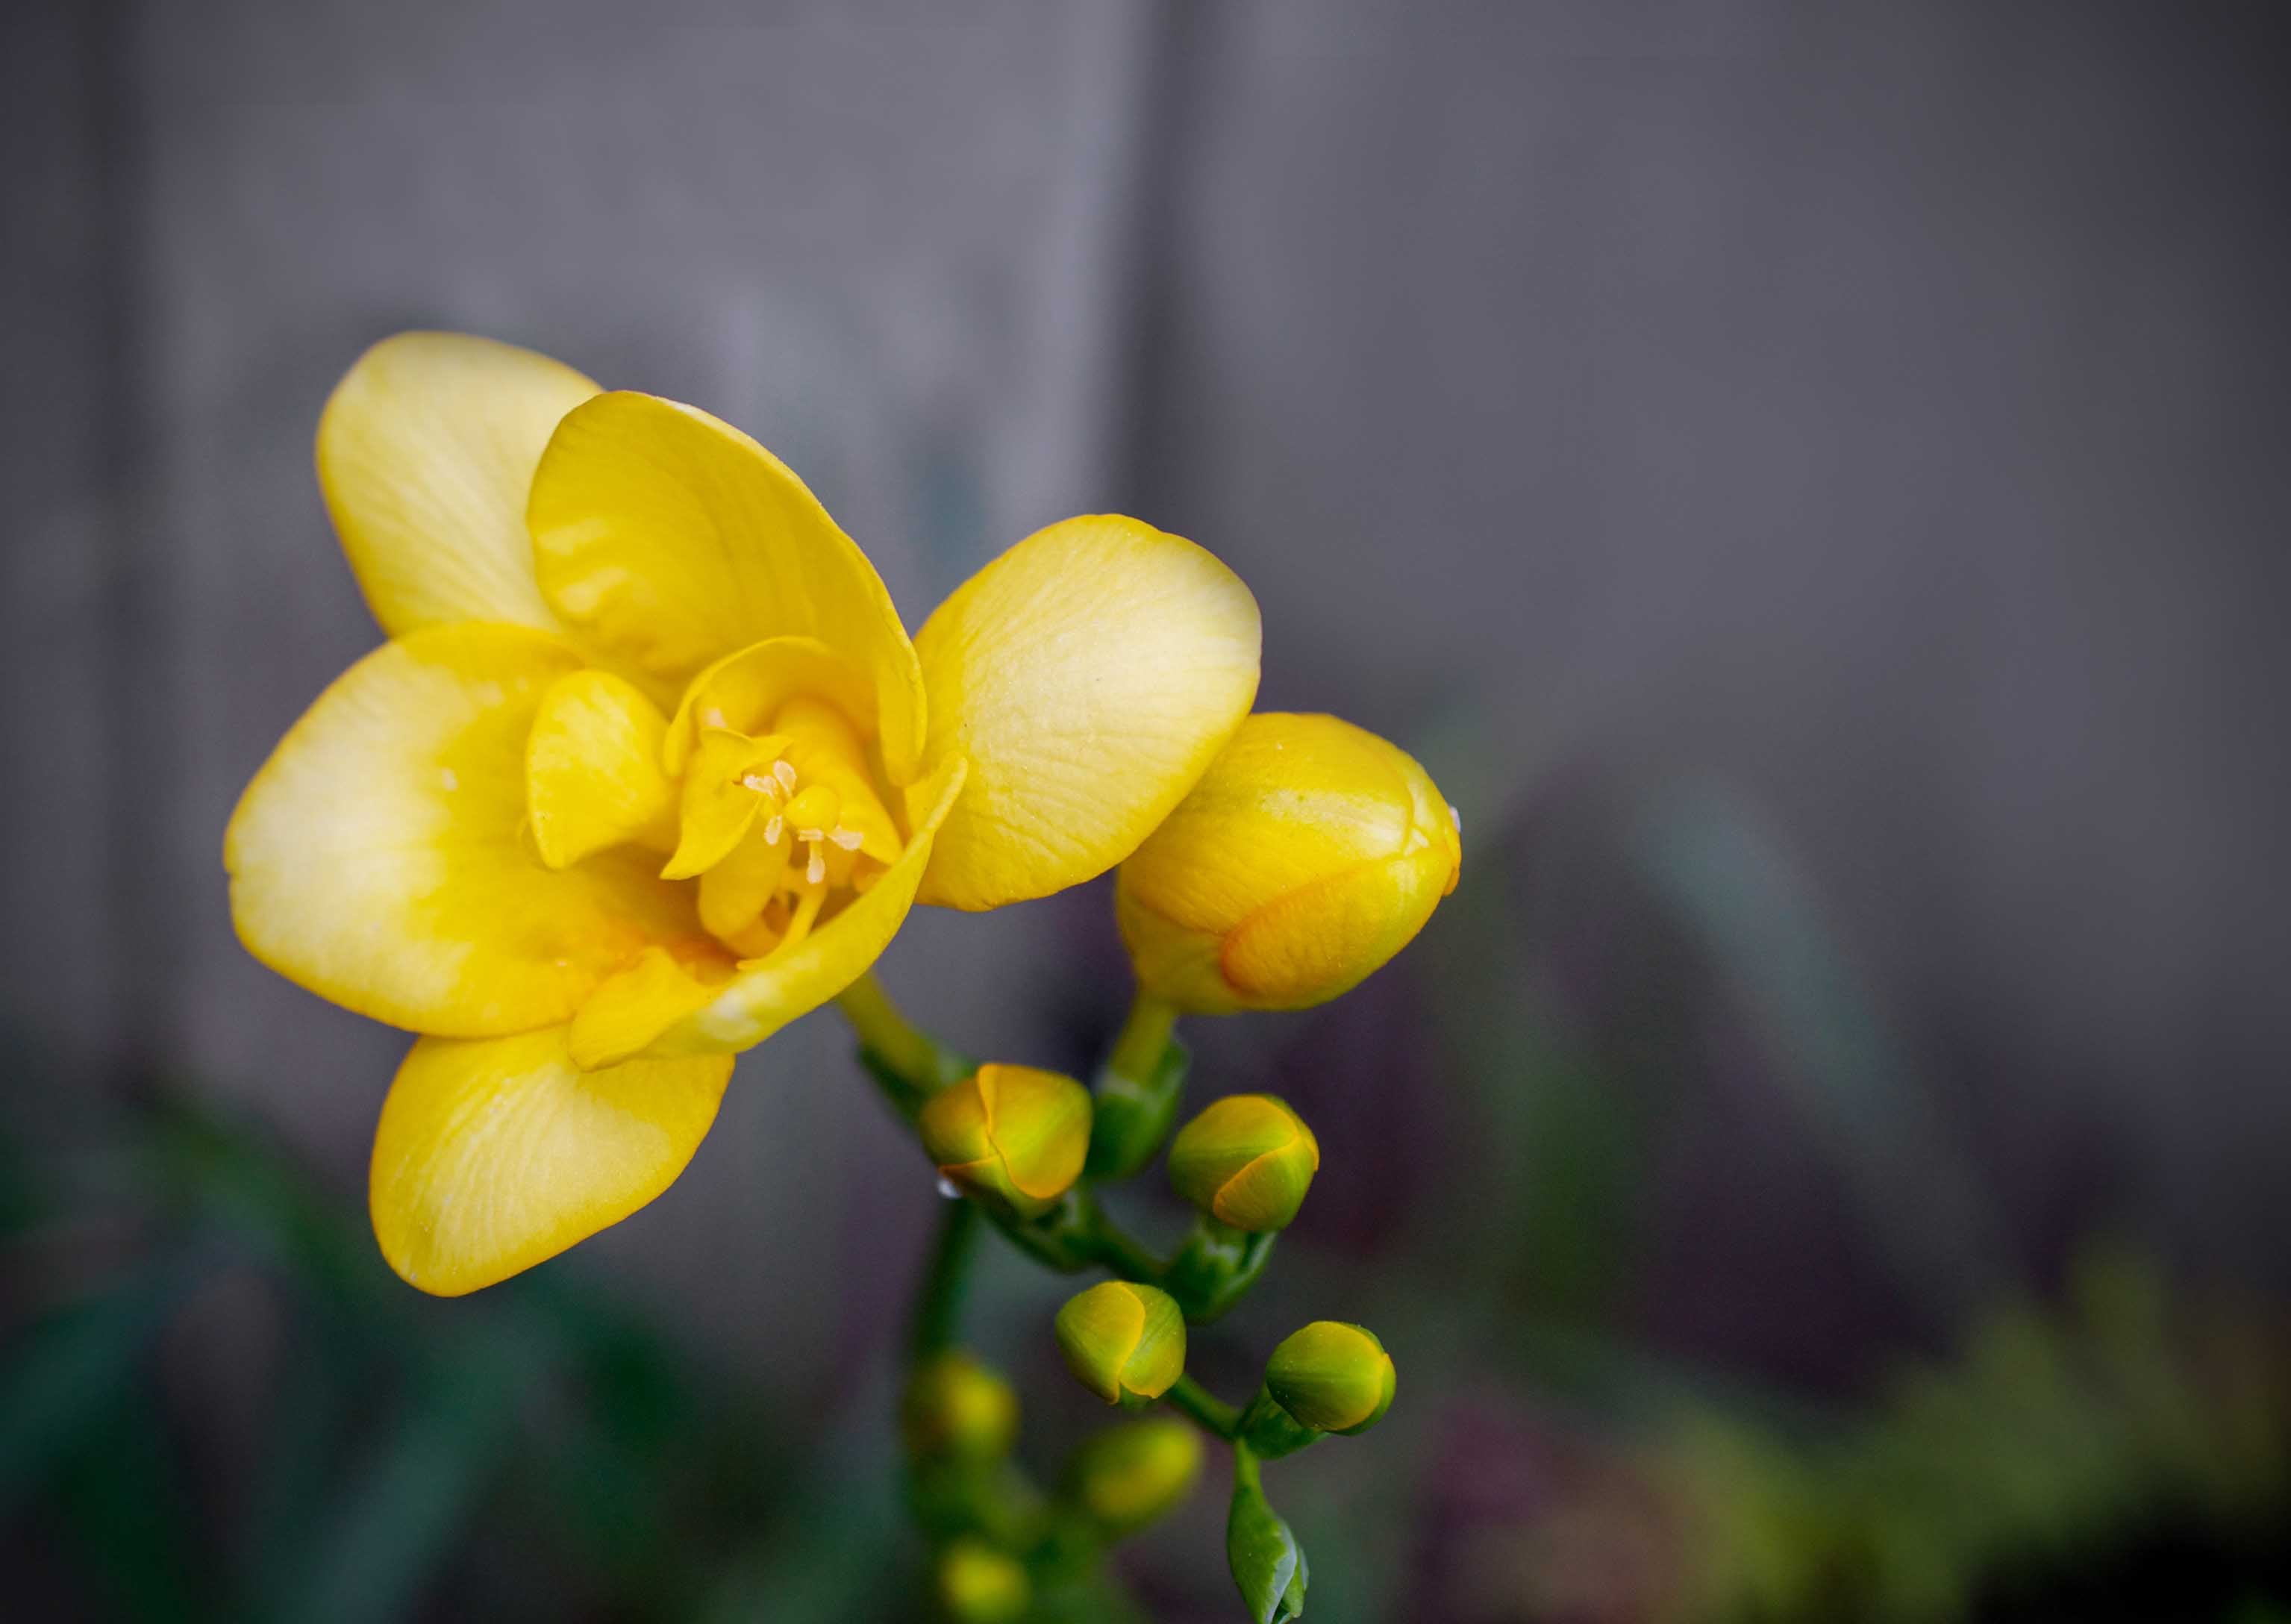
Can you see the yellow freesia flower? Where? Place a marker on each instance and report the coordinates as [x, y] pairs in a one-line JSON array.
[[650, 768]]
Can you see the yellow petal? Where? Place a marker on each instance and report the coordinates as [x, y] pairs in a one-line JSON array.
[[767, 994], [1088, 675], [635, 1007], [673, 540], [1330, 936], [426, 452], [493, 1155], [592, 776], [379, 857]]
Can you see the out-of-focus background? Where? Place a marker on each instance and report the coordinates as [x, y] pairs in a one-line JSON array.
[[1809, 481]]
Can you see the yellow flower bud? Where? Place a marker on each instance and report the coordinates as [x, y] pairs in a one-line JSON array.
[[1332, 1376], [1013, 1134], [1247, 1161], [980, 1584], [1130, 1475], [1123, 1341], [1308, 853], [957, 1409]]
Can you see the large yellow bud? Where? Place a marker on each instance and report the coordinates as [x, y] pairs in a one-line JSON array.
[[1308, 853], [1012, 1134]]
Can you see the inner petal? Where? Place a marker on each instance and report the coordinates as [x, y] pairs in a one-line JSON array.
[[730, 781]]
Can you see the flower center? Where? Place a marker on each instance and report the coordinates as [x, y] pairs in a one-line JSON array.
[[781, 828]]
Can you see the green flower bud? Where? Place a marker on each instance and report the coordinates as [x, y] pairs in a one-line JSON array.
[[1332, 1377], [1247, 1161], [1131, 1474], [1009, 1133], [980, 1584], [1123, 1341], [957, 1409]]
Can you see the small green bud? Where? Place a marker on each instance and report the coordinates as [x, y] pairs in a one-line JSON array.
[[1009, 1133], [1131, 1474], [1247, 1161], [1332, 1376], [1123, 1341], [1268, 1566], [980, 1584], [957, 1409]]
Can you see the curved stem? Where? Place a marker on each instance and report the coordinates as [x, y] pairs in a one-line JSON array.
[[1144, 1034], [1204, 1408], [916, 1058]]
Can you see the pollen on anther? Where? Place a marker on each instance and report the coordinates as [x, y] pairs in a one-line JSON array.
[[817, 871], [759, 783], [773, 828], [850, 840], [785, 774]]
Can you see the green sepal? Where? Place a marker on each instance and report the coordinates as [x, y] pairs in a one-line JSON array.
[[1215, 1268], [1133, 1112], [1271, 1431], [1268, 1566]]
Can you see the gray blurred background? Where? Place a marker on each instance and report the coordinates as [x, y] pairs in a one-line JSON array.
[[1808, 480]]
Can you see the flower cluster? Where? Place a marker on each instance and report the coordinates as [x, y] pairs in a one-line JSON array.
[[651, 766]]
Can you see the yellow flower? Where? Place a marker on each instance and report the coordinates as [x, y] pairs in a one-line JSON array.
[[1308, 853], [651, 767]]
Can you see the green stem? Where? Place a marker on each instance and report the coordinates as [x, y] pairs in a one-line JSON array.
[[1145, 1032], [1245, 1475], [938, 1301], [1114, 1247], [918, 1060], [1209, 1412]]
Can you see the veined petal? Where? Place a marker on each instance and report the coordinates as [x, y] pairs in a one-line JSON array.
[[1088, 675], [767, 994], [673, 540], [426, 453], [592, 776], [379, 857], [495, 1154]]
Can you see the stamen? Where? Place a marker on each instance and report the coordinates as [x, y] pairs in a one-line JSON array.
[[807, 909], [759, 783], [785, 774], [816, 873], [774, 827], [848, 838]]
